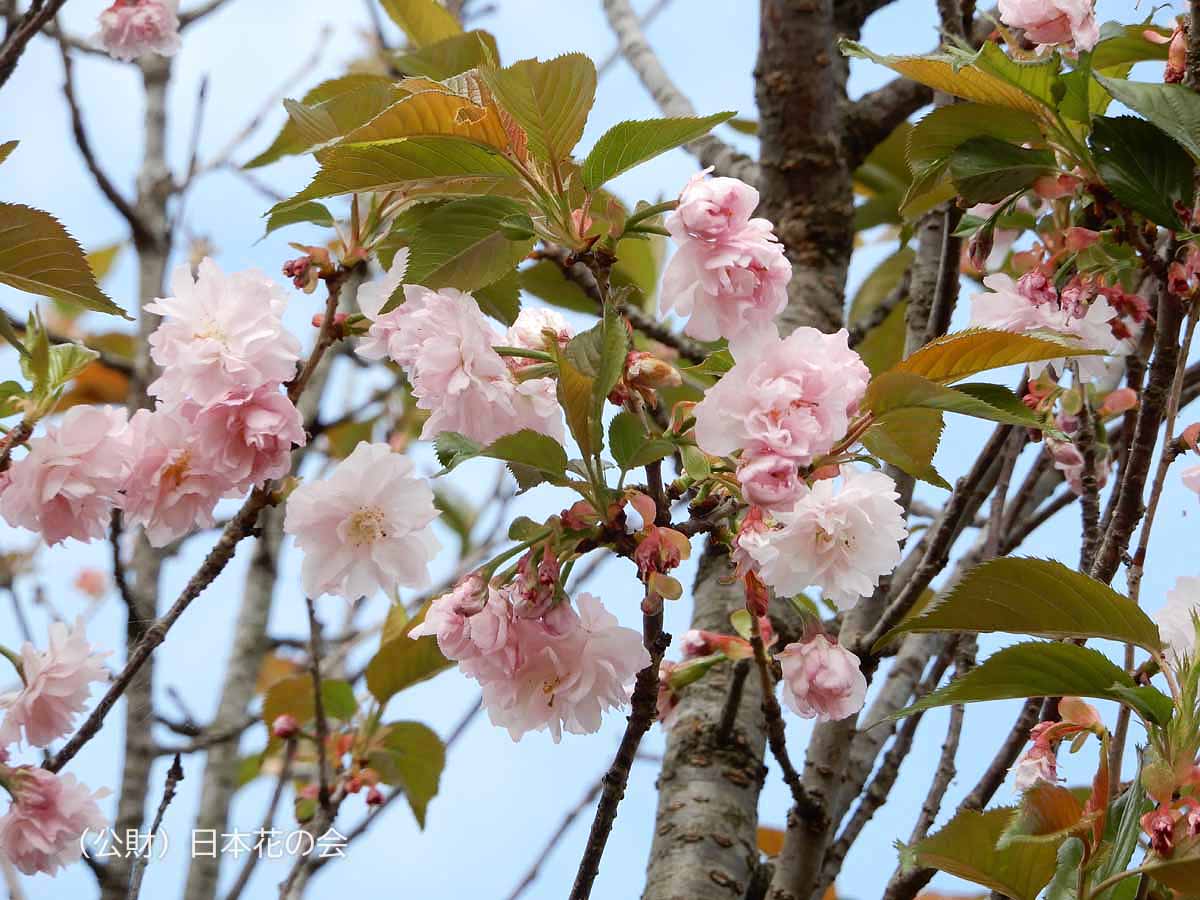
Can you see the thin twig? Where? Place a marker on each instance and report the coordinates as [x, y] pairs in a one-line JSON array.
[[174, 776], [776, 734], [285, 773], [1089, 499], [322, 724], [733, 702], [641, 717], [39, 15]]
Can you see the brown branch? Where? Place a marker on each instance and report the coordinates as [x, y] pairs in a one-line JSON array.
[[776, 735], [20, 433], [641, 717], [1089, 500], [734, 700], [194, 15], [322, 724], [874, 116], [174, 776], [38, 16], [141, 233]]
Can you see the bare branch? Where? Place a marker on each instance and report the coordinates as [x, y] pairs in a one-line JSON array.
[[174, 776], [40, 13], [192, 16], [123, 206]]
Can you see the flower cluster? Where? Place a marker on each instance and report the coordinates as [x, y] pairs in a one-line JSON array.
[[841, 538], [221, 426], [1051, 22], [49, 813], [1040, 761], [447, 348], [133, 28], [729, 275], [1078, 313], [556, 671]]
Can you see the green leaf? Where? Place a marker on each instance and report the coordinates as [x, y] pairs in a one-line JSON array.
[[1172, 107], [1066, 875], [902, 390], [460, 245], [424, 22], [1144, 169], [987, 170], [532, 457], [449, 56], [545, 279], [435, 113], [575, 392], [1122, 831], [946, 128], [294, 697], [6, 149], [989, 77], [550, 100], [629, 144], [884, 178], [964, 353], [38, 256], [879, 284], [402, 662], [908, 439], [420, 166], [966, 847], [1047, 812], [1019, 595], [883, 346], [413, 759], [1126, 44], [1182, 871], [327, 112], [631, 447], [1033, 669], [502, 298], [102, 259], [312, 212]]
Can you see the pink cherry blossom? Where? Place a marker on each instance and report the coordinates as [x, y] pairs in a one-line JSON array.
[[372, 296], [822, 679], [366, 527], [1191, 478], [472, 621], [133, 28], [176, 481], [1038, 763], [531, 325], [729, 274], [790, 397], [249, 435], [840, 539], [1053, 21], [1033, 305], [56, 684], [566, 682], [221, 334], [1068, 459], [770, 481], [68, 483], [49, 815], [1175, 618]]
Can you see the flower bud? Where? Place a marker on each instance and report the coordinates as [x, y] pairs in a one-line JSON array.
[[375, 797], [1119, 401], [285, 727]]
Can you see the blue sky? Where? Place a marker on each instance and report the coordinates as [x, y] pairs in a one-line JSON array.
[[499, 800]]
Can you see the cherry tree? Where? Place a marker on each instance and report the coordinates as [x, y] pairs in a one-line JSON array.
[[495, 300]]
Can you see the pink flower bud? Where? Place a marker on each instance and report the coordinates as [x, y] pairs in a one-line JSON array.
[[353, 784], [375, 797], [285, 727], [1159, 825], [1051, 187], [1190, 436], [822, 679], [1075, 711], [1080, 238], [770, 481]]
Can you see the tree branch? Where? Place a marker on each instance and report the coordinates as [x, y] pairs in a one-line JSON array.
[[39, 14], [874, 116]]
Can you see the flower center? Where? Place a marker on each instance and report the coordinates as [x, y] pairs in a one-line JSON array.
[[549, 686], [367, 525], [174, 474]]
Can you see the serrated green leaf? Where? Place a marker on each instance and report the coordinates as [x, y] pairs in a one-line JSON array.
[[629, 144], [37, 255], [102, 259], [460, 245], [695, 462], [1066, 875], [294, 697], [502, 298], [1020, 595], [449, 56], [414, 759], [327, 112], [883, 346], [966, 847], [435, 113], [527, 449], [989, 77], [898, 390], [550, 101], [631, 446], [421, 167], [1033, 669], [1172, 107], [963, 353], [575, 397], [938, 134], [879, 284], [1144, 169], [1122, 831], [402, 662], [1047, 812], [453, 448], [6, 149], [312, 212], [987, 170], [908, 439], [424, 22]]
